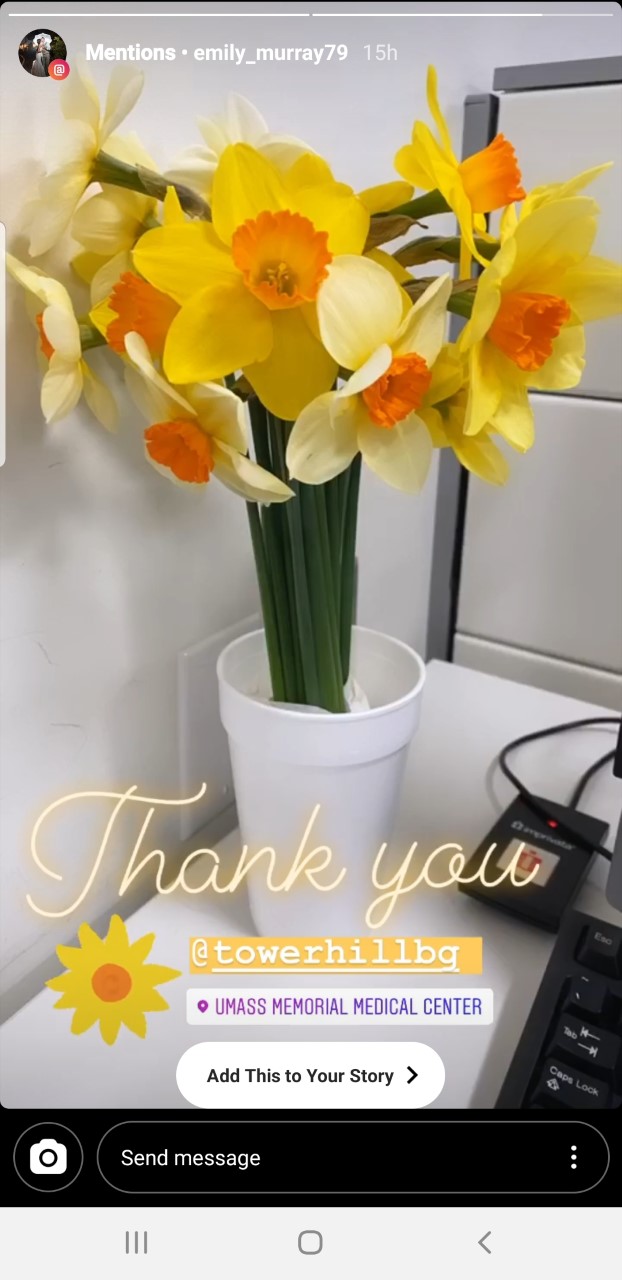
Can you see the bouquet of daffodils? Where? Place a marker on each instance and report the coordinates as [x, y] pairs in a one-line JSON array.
[[272, 341]]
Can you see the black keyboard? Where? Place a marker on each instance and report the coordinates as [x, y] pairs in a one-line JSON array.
[[570, 1053]]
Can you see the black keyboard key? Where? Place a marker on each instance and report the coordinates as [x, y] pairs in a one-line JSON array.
[[587, 1046], [591, 998], [601, 949], [568, 1087]]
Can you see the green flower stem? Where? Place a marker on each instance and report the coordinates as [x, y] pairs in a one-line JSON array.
[[279, 435], [302, 600], [348, 563], [334, 492], [461, 302], [424, 206], [135, 177], [90, 336], [267, 603], [275, 557], [440, 248], [322, 604]]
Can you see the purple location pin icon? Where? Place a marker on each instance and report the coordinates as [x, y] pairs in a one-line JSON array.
[[203, 1006]]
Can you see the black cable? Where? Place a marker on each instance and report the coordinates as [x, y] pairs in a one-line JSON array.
[[527, 795], [573, 803]]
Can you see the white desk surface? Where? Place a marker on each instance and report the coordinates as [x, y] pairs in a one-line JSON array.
[[450, 793]]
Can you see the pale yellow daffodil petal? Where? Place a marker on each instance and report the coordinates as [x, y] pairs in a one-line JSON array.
[[62, 332], [61, 388], [323, 440], [99, 398], [369, 372], [59, 194], [124, 89], [220, 413], [565, 365], [486, 387], [86, 265], [103, 283], [49, 291], [139, 354], [109, 222], [246, 478], [448, 375], [561, 190], [423, 329], [483, 458], [391, 265], [79, 99], [513, 417], [217, 331], [555, 237], [593, 288], [401, 456], [359, 310], [297, 369]]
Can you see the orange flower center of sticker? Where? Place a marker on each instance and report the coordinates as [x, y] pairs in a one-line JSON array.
[[44, 342], [526, 326], [183, 448], [111, 982], [140, 309], [492, 178], [399, 391], [282, 257]]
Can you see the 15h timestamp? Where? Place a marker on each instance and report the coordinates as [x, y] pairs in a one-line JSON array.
[[380, 53]]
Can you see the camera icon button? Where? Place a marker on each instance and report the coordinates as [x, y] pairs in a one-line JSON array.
[[48, 1157]]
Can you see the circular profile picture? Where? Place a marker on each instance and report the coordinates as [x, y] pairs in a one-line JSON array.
[[44, 54]]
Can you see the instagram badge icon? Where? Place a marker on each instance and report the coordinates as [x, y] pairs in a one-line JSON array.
[[59, 69]]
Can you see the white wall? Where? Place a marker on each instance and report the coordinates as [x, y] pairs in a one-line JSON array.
[[107, 570]]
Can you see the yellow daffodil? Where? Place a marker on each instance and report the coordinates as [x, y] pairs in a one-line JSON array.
[[107, 981], [550, 191], [444, 412], [200, 433], [240, 122], [376, 412], [526, 326], [488, 180], [247, 283], [85, 132], [113, 219], [67, 376]]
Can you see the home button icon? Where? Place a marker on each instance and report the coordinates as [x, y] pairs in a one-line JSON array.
[[310, 1242]]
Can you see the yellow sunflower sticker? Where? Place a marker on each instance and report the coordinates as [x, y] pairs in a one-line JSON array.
[[107, 981]]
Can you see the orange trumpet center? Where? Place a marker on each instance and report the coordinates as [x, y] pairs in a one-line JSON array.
[[283, 259], [492, 178], [182, 447], [399, 391], [140, 309], [44, 342], [526, 326], [111, 982]]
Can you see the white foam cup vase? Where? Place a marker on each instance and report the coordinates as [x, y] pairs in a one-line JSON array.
[[337, 778]]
